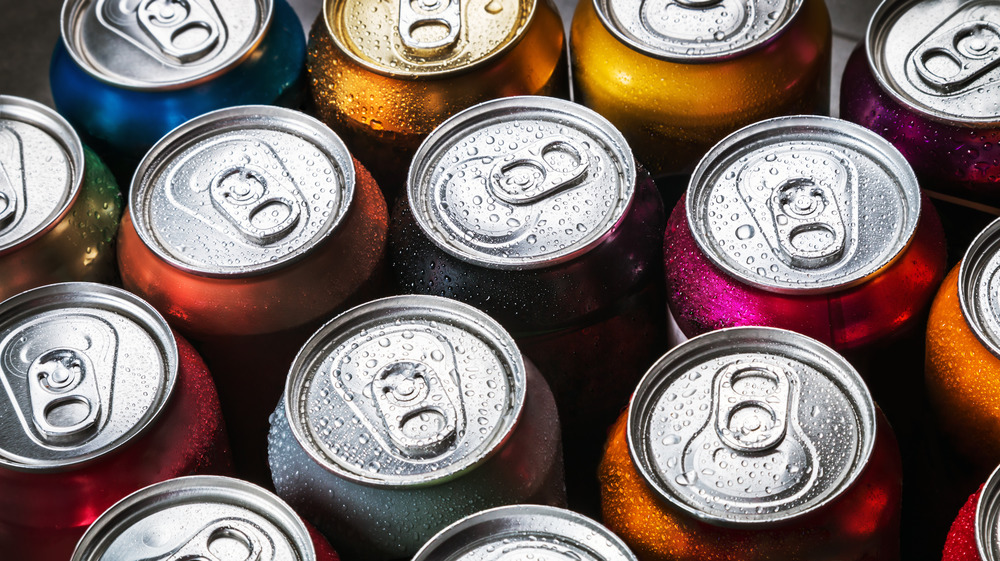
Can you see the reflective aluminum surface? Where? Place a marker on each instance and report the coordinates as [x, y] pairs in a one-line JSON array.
[[979, 287]]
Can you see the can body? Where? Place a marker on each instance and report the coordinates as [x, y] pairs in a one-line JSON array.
[[960, 545], [672, 111]]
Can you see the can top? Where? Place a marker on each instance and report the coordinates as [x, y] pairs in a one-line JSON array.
[[200, 517], [522, 182], [803, 204], [40, 154], [242, 191], [751, 426], [939, 57], [695, 30], [162, 44], [426, 38], [987, 524], [516, 532], [405, 391], [85, 368], [979, 286]]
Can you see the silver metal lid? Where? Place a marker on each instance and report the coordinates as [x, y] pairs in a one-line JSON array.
[[941, 57], [242, 191], [84, 369], [750, 426], [207, 518], [979, 287], [521, 182], [987, 523], [40, 155], [695, 30], [162, 44], [803, 204], [405, 391], [519, 532]]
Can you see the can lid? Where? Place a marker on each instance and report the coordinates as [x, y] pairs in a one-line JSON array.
[[242, 191], [803, 204], [405, 391], [84, 368], [979, 287], [162, 44], [200, 517], [522, 182], [40, 154], [513, 533], [939, 57], [751, 426], [426, 38], [987, 525], [695, 30]]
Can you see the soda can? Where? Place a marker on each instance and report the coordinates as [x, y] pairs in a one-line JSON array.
[[753, 443], [975, 533], [927, 79], [805, 223], [59, 205], [385, 74], [202, 517], [100, 399], [525, 532], [126, 73], [247, 228], [406, 414], [677, 76]]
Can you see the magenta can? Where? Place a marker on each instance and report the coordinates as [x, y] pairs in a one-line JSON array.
[[927, 78]]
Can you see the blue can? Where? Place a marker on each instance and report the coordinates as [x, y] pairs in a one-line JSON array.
[[126, 73]]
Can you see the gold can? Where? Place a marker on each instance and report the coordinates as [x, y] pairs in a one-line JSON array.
[[385, 74]]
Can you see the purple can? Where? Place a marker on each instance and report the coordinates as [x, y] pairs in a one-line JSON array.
[[927, 78]]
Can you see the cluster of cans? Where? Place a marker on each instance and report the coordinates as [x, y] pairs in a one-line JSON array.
[[448, 303]]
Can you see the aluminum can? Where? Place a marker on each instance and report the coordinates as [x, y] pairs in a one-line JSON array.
[[676, 77], [126, 73], [385, 74], [59, 205], [247, 228], [753, 443], [406, 414], [804, 223], [975, 533], [202, 517], [100, 399], [927, 78], [525, 532]]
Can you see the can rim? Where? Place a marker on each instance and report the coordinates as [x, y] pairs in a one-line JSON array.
[[491, 521], [52, 123], [187, 489], [892, 158], [987, 515], [484, 325], [885, 12], [330, 5], [640, 48], [720, 340], [232, 119], [70, 14], [985, 245], [126, 304], [510, 107]]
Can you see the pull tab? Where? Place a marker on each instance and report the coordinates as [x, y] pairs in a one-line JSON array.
[[65, 403], [11, 177], [429, 27], [182, 29], [539, 170], [697, 4], [752, 406], [809, 224], [261, 207], [418, 414], [954, 59], [699, 21], [229, 539]]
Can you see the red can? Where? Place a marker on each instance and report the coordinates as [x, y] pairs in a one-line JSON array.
[[100, 399], [975, 533]]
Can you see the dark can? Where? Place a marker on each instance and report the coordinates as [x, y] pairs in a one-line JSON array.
[[926, 78], [100, 399], [59, 205], [126, 73], [406, 414], [677, 76], [753, 443], [805, 223]]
